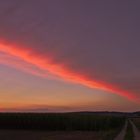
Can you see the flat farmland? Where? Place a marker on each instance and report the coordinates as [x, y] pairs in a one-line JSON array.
[[59, 126]]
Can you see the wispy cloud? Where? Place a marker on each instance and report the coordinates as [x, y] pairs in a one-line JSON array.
[[43, 64]]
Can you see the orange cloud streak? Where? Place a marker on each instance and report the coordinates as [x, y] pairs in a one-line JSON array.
[[57, 69]]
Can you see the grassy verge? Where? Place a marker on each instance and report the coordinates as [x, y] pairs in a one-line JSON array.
[[136, 121], [111, 134], [129, 132]]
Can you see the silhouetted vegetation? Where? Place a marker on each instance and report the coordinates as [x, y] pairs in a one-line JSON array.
[[60, 121]]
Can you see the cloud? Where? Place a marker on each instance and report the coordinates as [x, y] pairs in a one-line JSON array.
[[91, 44], [58, 70], [15, 62]]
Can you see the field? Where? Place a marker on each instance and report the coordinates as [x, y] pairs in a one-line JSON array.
[[45, 135], [63, 126]]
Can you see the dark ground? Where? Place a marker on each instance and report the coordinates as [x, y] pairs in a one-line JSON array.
[[38, 135]]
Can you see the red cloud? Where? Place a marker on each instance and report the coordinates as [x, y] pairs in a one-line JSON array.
[[15, 62], [44, 65]]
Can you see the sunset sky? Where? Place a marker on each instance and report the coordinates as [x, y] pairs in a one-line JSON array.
[[69, 55]]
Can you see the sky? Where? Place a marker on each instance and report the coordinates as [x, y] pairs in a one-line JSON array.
[[69, 55]]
